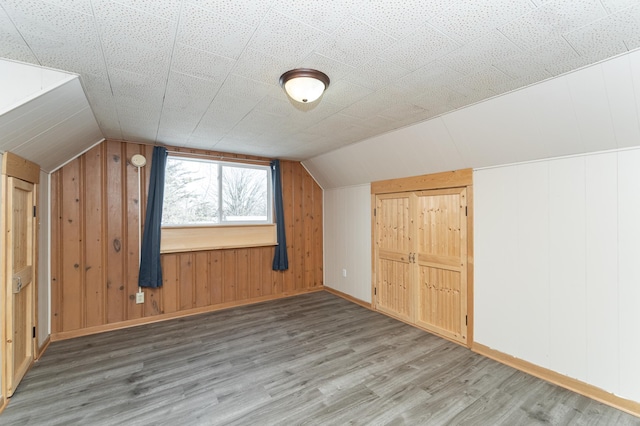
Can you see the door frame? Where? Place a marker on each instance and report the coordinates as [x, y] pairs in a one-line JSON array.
[[20, 168], [462, 178]]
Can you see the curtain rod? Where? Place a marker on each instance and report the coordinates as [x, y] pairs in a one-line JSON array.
[[218, 157]]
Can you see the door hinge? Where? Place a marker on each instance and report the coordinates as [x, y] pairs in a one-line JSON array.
[[33, 335], [374, 212], [466, 210], [466, 320], [34, 211], [375, 291]]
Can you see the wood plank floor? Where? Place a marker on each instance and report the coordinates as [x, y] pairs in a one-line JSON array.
[[310, 359]]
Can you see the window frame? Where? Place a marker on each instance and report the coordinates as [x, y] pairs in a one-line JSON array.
[[239, 163], [225, 234]]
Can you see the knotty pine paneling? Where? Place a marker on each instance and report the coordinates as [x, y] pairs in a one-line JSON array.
[[95, 246]]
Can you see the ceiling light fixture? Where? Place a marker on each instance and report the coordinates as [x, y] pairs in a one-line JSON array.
[[304, 84]]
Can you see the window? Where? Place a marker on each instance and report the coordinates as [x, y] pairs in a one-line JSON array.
[[203, 192], [212, 205]]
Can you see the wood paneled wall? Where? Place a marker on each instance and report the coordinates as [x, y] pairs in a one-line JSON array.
[[95, 240]]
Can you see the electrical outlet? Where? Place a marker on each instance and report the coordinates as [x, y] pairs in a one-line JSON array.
[[139, 297], [344, 273]]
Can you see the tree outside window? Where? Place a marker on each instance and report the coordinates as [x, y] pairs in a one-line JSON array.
[[203, 192]]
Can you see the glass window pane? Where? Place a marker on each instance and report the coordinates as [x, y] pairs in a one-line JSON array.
[[190, 192], [244, 194], [206, 192]]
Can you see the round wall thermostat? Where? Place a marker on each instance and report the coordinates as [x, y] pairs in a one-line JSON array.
[[138, 160]]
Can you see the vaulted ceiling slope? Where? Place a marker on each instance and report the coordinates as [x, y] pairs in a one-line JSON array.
[[204, 73], [20, 83], [44, 115], [593, 109]]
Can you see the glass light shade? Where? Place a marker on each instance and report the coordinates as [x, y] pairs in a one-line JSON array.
[[304, 89], [304, 85]]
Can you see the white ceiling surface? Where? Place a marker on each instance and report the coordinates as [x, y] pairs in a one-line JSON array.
[[593, 109], [49, 120], [204, 73]]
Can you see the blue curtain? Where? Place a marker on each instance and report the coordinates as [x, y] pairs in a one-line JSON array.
[[280, 258], [150, 268]]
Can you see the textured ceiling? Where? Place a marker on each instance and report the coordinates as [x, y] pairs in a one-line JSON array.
[[204, 73]]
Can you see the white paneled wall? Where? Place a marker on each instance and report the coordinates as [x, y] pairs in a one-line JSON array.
[[2, 302], [501, 233], [53, 128], [628, 271], [20, 83], [623, 91], [531, 300], [591, 107], [601, 249], [347, 240], [556, 255], [503, 263], [566, 256], [44, 281]]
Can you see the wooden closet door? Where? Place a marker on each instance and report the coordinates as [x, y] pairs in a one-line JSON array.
[[393, 243], [20, 280], [441, 261]]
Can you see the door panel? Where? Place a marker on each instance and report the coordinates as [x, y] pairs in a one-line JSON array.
[[440, 301], [441, 257], [393, 244], [20, 294], [394, 289]]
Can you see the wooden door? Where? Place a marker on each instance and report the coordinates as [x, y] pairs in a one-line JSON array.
[[441, 262], [20, 273], [392, 245]]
